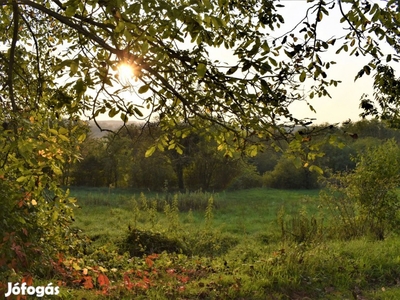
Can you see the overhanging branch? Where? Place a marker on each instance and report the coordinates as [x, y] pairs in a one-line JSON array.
[[12, 55], [70, 23]]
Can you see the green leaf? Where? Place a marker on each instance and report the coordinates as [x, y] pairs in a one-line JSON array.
[[317, 169], [179, 150], [70, 11], [232, 70], [265, 87], [63, 137], [124, 117], [56, 170], [150, 151], [201, 70], [82, 137], [297, 162], [63, 130], [138, 112], [54, 217], [53, 131], [143, 89], [303, 76], [273, 61], [74, 66], [72, 200], [21, 178], [112, 113], [120, 27], [80, 86], [253, 151]]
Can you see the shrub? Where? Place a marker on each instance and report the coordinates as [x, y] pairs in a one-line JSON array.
[[249, 178], [141, 242], [286, 176], [365, 201]]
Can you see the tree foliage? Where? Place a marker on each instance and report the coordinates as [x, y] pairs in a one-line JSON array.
[[119, 161], [60, 59], [72, 49]]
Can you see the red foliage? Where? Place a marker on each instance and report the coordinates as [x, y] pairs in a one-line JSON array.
[[133, 280], [88, 282], [28, 279], [103, 280], [149, 262]]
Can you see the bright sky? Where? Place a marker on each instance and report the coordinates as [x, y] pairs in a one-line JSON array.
[[344, 103]]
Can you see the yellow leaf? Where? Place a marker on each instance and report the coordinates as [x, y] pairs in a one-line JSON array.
[[103, 269], [150, 151], [179, 150], [76, 267]]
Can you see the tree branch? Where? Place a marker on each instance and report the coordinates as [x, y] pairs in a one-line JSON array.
[[12, 56], [347, 19], [103, 26], [69, 22], [37, 50]]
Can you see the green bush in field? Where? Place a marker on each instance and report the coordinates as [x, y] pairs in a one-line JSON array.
[[365, 201], [173, 236], [287, 176], [141, 242]]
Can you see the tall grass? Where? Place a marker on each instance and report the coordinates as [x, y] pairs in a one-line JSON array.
[[254, 244]]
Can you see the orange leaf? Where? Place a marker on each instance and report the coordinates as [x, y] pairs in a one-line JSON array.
[[103, 280], [28, 279], [149, 261], [183, 279], [146, 280], [60, 257], [88, 283], [127, 282], [153, 256]]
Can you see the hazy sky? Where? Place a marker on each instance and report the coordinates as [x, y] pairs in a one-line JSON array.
[[345, 98]]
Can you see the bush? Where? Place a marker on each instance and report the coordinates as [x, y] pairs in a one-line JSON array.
[[286, 176], [365, 201], [140, 242], [248, 178]]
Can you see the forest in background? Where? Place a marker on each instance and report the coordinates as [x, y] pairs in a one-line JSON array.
[[119, 160]]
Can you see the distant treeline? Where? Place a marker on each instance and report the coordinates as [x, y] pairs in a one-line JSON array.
[[119, 161]]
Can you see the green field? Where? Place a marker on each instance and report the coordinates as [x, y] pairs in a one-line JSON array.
[[248, 244]]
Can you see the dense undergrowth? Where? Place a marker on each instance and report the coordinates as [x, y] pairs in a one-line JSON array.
[[258, 244]]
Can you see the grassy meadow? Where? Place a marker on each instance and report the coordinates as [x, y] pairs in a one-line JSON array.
[[247, 244]]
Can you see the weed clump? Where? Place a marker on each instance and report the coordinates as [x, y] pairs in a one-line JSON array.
[[141, 242]]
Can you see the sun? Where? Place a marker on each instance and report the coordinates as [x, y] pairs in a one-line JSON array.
[[125, 72]]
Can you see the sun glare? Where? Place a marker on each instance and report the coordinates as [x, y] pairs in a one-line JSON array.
[[125, 73]]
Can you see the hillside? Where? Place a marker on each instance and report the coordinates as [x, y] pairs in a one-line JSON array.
[[113, 125]]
